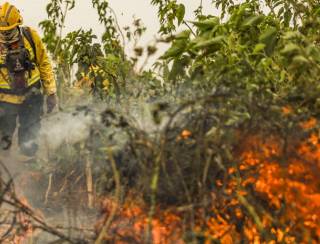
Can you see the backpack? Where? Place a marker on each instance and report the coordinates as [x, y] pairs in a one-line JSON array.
[[26, 32], [17, 61]]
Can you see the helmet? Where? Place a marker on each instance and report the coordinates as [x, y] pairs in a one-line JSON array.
[[9, 17]]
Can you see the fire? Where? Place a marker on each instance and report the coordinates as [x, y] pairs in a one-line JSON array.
[[131, 223], [19, 230], [270, 194], [287, 183], [290, 188]]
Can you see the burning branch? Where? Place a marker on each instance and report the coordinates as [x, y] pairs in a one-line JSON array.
[[21, 215], [107, 223]]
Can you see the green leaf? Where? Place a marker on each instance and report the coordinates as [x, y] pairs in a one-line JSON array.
[[216, 41], [287, 17], [180, 13], [177, 69], [253, 21], [267, 36], [317, 11], [258, 48], [207, 23], [177, 48], [277, 3], [291, 35], [290, 49], [280, 12], [183, 35], [300, 60], [283, 75]]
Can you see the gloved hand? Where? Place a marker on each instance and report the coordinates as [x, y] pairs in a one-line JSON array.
[[52, 102]]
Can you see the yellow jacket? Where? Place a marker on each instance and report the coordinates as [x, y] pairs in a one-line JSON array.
[[42, 71], [87, 79]]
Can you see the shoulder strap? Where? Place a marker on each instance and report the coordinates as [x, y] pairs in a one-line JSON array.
[[27, 34]]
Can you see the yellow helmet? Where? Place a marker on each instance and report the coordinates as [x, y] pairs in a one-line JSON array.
[[9, 17]]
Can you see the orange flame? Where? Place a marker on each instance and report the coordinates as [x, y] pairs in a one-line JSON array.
[[290, 187], [131, 223]]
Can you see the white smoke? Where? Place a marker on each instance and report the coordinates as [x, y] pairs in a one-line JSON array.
[[64, 127]]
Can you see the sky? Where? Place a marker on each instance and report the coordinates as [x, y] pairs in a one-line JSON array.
[[84, 16]]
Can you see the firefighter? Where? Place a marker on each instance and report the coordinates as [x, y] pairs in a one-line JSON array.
[[26, 77], [92, 78]]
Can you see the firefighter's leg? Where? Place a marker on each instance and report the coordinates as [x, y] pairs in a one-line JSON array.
[[29, 124], [8, 118]]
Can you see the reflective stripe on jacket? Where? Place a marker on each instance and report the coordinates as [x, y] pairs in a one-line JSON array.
[[42, 71]]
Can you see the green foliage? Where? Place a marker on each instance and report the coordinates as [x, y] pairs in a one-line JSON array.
[[83, 49], [57, 11], [171, 14], [111, 35], [250, 49]]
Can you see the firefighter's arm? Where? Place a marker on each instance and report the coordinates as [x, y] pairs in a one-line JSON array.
[[44, 65]]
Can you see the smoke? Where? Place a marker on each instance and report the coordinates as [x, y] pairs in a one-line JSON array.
[[73, 125], [65, 127], [69, 127]]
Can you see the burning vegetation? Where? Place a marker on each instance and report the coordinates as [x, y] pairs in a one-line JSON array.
[[181, 183], [218, 143]]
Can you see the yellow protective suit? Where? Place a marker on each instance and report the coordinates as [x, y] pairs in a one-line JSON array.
[[41, 73], [87, 79]]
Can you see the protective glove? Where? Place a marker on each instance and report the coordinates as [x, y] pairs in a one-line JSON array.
[[52, 102]]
